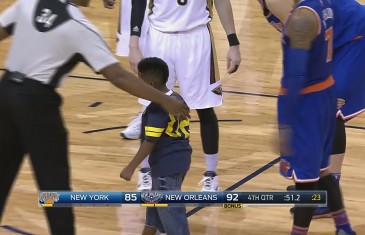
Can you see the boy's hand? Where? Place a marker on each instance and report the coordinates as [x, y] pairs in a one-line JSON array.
[[127, 173]]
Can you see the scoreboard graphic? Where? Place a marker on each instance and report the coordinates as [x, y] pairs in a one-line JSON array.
[[171, 198]]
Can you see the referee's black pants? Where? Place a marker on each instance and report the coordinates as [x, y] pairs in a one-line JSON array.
[[31, 122]]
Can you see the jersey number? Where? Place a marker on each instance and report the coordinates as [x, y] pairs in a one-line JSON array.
[[329, 39], [177, 128], [182, 2], [46, 18]]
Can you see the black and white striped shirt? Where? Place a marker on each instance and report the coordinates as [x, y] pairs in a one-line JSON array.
[[49, 38]]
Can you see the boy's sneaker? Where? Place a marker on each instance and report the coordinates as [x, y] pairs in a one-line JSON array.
[[342, 232], [133, 131], [210, 182], [144, 180]]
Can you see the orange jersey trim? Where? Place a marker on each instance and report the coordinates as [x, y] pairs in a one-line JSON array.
[[357, 37], [313, 88]]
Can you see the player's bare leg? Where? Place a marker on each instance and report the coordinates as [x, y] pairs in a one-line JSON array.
[[209, 130]]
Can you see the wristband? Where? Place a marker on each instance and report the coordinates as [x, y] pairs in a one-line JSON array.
[[233, 40]]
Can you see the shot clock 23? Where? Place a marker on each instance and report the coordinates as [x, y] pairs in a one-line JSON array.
[[316, 197]]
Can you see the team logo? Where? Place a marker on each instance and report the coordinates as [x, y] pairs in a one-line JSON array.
[[217, 90], [284, 166], [151, 197], [48, 199]]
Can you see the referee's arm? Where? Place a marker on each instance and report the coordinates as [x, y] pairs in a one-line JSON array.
[[8, 19]]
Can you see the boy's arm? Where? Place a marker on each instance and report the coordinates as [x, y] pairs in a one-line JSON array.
[[145, 149], [157, 120]]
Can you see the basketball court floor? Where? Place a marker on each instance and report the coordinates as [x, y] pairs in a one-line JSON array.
[[96, 112]]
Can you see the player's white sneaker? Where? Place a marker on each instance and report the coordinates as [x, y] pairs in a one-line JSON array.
[[144, 180], [210, 182], [133, 131]]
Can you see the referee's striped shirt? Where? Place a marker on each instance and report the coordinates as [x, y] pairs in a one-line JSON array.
[[49, 38]]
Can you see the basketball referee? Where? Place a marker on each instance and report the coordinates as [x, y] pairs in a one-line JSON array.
[[49, 38]]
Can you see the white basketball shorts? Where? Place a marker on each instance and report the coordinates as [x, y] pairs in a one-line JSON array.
[[192, 61]]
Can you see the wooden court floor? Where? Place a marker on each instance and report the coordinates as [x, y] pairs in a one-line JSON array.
[[245, 143]]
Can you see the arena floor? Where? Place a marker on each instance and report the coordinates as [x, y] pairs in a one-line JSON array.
[[247, 155]]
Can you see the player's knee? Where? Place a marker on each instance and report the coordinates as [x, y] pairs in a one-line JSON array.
[[339, 142], [326, 181], [206, 115]]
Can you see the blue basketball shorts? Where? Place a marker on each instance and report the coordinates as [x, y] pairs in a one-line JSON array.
[[349, 74], [312, 135]]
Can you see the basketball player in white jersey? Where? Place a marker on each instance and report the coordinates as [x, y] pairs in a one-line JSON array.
[[180, 34], [133, 130]]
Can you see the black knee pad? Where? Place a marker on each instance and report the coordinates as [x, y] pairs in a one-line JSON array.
[[209, 130], [339, 142]]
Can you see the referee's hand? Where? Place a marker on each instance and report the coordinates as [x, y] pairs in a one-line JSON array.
[[109, 4], [176, 107]]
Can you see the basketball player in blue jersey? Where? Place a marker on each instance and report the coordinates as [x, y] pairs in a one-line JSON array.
[[306, 109], [348, 68]]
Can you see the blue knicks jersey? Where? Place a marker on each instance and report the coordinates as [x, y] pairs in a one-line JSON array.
[[321, 49], [349, 21]]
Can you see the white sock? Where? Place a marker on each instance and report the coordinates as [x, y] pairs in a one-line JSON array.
[[144, 163], [212, 161]]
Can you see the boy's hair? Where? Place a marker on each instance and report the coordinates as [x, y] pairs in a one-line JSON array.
[[154, 65]]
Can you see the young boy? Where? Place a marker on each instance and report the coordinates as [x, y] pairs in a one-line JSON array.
[[165, 138]]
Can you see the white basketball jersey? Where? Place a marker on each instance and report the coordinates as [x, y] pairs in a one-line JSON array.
[[179, 15]]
